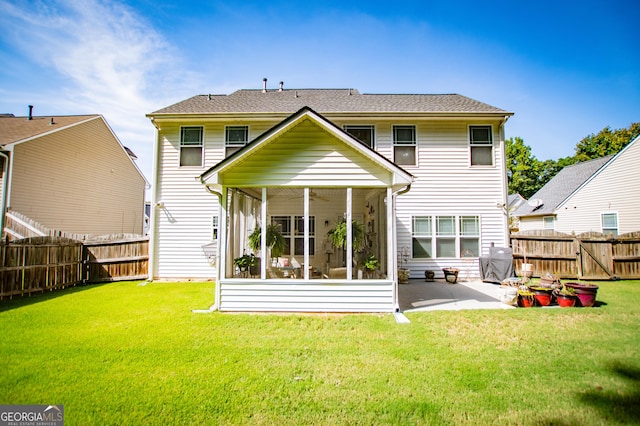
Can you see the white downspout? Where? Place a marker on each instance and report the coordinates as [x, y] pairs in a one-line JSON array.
[[392, 229], [505, 183], [155, 176]]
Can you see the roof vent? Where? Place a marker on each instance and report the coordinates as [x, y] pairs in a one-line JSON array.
[[264, 85], [281, 86], [30, 112]]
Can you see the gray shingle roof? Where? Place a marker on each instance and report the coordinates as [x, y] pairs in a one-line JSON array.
[[327, 101], [561, 186], [15, 129]]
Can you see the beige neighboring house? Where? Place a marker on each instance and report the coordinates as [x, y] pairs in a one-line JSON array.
[[70, 173], [599, 195]]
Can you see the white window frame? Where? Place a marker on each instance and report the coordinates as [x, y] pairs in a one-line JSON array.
[[231, 147], [404, 144], [422, 236], [294, 233], [608, 229], [191, 145], [549, 219], [481, 144], [458, 235], [348, 127]]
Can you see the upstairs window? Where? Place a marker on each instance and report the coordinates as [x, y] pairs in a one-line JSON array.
[[365, 134], [404, 145], [609, 223], [235, 138], [191, 146], [481, 145]]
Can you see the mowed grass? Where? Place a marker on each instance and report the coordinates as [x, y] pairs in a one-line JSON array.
[[132, 354]]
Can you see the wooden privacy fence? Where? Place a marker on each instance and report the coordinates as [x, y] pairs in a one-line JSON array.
[[589, 256], [51, 263]]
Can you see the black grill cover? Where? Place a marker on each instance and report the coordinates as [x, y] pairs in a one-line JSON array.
[[498, 266]]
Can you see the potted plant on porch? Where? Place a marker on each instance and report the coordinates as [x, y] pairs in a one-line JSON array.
[[275, 243], [371, 264], [337, 235]]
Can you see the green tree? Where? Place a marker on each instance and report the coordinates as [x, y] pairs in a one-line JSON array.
[[606, 142], [523, 168]]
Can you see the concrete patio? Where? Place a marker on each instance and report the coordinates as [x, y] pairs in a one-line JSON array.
[[420, 295]]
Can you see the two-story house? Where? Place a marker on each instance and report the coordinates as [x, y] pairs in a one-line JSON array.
[[411, 181]]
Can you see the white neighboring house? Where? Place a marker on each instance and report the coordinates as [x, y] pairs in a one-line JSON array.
[[424, 175], [599, 195]]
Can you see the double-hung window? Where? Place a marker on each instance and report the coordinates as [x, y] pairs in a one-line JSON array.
[[469, 236], [191, 146], [294, 236], [609, 223], [445, 236], [365, 134], [298, 237], [422, 237], [235, 137], [404, 145], [481, 145]]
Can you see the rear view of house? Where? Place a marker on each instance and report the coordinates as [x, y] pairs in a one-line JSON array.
[[70, 173], [415, 182]]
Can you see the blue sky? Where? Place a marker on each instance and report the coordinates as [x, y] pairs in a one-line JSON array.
[[565, 68]]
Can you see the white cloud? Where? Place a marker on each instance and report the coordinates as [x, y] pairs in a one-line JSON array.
[[108, 59]]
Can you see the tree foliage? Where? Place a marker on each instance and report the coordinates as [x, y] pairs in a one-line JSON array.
[[527, 174]]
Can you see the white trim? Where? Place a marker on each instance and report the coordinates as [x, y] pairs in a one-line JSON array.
[[305, 272], [414, 145], [349, 234], [180, 146], [493, 146]]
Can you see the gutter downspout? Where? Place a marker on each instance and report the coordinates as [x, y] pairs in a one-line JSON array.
[[5, 186], [394, 261], [505, 183], [221, 236]]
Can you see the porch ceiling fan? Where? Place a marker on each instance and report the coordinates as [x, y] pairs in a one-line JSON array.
[[313, 196]]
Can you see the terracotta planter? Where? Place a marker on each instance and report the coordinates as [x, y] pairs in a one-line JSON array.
[[565, 300], [525, 302], [543, 296], [586, 293], [429, 275]]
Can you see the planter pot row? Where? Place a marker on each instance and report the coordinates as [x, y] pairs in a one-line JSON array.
[[585, 296]]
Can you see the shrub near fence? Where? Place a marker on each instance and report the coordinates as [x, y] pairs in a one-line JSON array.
[[50, 263], [590, 255]]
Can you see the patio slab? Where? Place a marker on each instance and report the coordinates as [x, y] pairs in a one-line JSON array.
[[419, 295]]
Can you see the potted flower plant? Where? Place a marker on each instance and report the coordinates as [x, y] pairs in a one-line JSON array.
[[371, 264], [565, 296], [525, 298], [275, 240]]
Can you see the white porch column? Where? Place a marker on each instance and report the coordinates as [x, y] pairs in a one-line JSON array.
[[263, 235], [305, 272], [392, 243], [349, 259]]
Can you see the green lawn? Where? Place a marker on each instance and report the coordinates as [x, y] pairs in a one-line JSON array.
[[129, 354]]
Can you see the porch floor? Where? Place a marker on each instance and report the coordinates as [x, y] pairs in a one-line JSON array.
[[420, 295]]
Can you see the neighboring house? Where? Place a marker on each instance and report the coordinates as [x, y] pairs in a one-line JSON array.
[[514, 201], [70, 173], [423, 175], [599, 195]]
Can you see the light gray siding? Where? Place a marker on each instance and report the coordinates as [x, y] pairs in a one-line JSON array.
[[613, 190]]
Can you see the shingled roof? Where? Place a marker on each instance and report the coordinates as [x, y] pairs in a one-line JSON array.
[[289, 101], [16, 129], [560, 187]]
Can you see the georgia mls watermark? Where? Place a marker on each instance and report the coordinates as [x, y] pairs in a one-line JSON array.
[[31, 415]]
